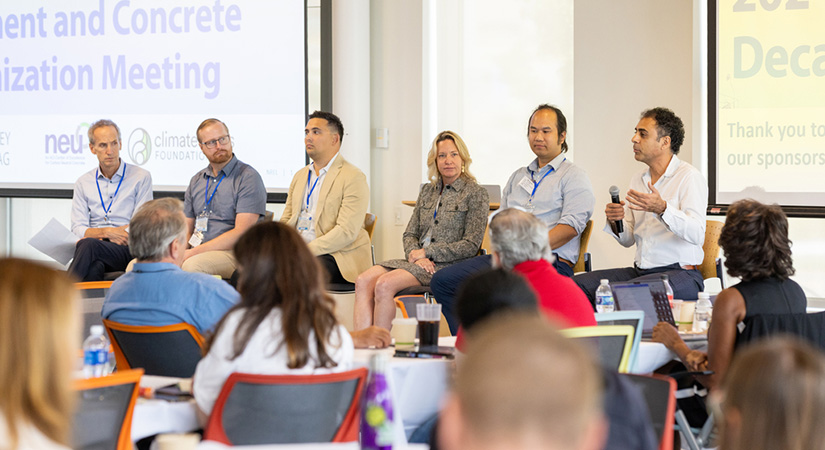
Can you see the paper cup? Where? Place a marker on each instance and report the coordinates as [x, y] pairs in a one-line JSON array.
[[403, 331], [686, 316], [677, 311]]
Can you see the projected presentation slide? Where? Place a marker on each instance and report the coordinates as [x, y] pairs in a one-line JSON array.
[[157, 69], [771, 101]]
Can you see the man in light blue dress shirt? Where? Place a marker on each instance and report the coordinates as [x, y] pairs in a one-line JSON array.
[[157, 292], [103, 202], [552, 188]]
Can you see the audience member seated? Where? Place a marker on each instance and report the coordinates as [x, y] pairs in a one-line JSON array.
[[285, 322], [157, 291], [757, 250], [447, 226], [773, 398], [519, 243], [40, 336], [524, 386]]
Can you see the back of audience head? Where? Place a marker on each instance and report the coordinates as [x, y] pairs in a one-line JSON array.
[[755, 241], [493, 293], [523, 385], [40, 333], [154, 227], [277, 270], [773, 397], [517, 236]]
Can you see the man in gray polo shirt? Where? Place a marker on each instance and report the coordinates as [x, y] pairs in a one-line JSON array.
[[222, 201]]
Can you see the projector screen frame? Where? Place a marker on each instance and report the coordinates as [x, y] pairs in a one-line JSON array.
[[325, 97], [714, 206]]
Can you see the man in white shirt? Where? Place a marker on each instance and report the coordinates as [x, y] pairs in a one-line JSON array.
[[327, 202], [664, 214], [103, 202]]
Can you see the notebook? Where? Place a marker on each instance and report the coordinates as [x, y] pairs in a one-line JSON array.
[[650, 297]]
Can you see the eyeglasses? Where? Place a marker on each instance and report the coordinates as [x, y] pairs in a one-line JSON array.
[[223, 140]]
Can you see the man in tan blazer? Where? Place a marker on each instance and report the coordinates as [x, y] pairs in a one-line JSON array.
[[327, 202]]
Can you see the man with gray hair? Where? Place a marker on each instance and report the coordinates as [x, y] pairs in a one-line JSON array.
[[157, 291], [545, 395], [103, 201], [519, 243]]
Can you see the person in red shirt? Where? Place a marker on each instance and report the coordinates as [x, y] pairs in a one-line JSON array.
[[519, 242]]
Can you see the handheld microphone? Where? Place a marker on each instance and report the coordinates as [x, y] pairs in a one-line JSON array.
[[614, 197]]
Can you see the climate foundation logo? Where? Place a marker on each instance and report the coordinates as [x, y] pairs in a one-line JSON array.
[[140, 146]]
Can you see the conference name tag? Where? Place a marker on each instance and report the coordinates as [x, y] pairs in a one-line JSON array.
[[196, 239], [527, 184]]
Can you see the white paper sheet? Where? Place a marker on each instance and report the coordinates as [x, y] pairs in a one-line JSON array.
[[56, 241]]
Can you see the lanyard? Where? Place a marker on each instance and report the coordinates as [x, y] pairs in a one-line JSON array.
[[537, 183], [100, 194], [309, 194], [206, 192]]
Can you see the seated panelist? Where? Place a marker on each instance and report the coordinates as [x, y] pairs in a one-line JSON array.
[[447, 226]]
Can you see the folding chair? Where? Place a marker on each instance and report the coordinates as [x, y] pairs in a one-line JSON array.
[[170, 350], [103, 418], [659, 393], [635, 319], [613, 343], [277, 409]]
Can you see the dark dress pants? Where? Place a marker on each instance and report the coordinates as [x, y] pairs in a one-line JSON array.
[[686, 283], [94, 257]]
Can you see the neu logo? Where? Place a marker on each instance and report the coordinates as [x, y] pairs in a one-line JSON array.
[[140, 146], [65, 143]]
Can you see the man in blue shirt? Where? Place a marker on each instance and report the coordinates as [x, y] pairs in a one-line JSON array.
[[157, 292], [103, 201], [222, 201], [551, 188]]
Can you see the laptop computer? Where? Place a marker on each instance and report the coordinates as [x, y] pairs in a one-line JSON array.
[[650, 297]]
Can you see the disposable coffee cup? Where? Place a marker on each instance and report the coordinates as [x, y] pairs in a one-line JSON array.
[[175, 441], [403, 331], [677, 311], [429, 319], [686, 316]]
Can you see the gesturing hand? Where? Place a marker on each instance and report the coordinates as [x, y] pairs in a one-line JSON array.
[[640, 201]]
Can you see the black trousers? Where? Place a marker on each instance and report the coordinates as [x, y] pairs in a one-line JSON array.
[[686, 283], [94, 257]]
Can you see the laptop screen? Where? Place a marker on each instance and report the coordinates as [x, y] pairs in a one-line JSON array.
[[639, 295]]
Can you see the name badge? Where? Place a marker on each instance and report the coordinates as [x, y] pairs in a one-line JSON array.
[[196, 239], [527, 184], [202, 222], [304, 221]]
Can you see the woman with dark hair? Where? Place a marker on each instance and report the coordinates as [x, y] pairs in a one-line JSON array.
[[285, 322], [757, 250], [446, 227]]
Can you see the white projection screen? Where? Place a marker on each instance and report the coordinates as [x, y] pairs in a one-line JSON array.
[[767, 102], [157, 68]]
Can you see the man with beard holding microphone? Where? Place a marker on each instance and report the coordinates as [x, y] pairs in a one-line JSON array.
[[222, 201], [664, 213]]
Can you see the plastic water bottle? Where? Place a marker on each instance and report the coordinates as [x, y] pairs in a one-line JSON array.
[[701, 315], [604, 297], [377, 419], [95, 353], [668, 290]]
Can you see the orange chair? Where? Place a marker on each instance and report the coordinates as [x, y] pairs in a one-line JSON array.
[[277, 409], [659, 393], [103, 418], [170, 350]]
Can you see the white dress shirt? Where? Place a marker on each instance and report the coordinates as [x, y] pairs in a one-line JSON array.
[[320, 176], [677, 235]]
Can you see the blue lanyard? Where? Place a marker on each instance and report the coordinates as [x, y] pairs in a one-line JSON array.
[[206, 192], [537, 183], [309, 194], [100, 194]]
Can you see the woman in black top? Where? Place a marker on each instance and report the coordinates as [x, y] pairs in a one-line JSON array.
[[757, 249]]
